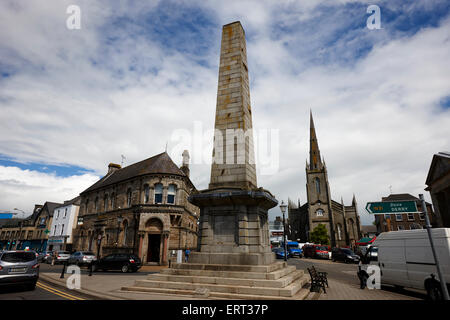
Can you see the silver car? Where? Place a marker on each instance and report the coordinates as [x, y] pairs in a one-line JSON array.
[[59, 256], [19, 268], [81, 258]]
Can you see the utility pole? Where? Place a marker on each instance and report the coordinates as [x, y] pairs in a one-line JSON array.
[[436, 260]]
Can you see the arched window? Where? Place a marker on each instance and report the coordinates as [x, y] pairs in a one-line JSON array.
[[171, 191], [113, 201], [158, 193], [146, 193], [317, 184], [105, 202], [319, 212], [129, 198], [96, 204], [125, 231]]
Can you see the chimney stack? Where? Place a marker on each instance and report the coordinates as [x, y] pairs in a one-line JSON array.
[[185, 165], [112, 167]]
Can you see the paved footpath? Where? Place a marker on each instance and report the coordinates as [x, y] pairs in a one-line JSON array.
[[107, 285], [344, 283]]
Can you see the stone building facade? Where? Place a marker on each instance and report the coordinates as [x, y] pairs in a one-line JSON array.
[[31, 232], [438, 184], [342, 222], [140, 209]]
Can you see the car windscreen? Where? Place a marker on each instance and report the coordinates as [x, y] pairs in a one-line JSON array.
[[347, 251], [293, 246], [18, 256], [323, 248]]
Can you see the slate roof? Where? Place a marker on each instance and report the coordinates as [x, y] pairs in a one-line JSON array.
[[161, 163], [402, 197]]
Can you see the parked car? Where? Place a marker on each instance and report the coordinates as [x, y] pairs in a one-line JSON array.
[[294, 249], [61, 257], [406, 260], [19, 268], [42, 256], [279, 253], [323, 252], [81, 258], [118, 261], [345, 255]]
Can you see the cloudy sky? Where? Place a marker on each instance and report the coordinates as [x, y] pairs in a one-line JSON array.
[[139, 73]]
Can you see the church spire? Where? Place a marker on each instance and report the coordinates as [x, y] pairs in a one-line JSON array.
[[314, 152]]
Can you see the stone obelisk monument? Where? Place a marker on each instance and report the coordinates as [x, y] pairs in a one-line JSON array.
[[233, 219], [233, 258]]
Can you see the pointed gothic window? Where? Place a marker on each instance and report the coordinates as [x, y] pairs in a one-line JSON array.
[[339, 232], [317, 184], [319, 212], [129, 198]]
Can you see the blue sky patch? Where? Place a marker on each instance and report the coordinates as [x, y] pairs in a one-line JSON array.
[[59, 170]]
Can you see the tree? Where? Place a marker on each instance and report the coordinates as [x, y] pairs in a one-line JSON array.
[[320, 235]]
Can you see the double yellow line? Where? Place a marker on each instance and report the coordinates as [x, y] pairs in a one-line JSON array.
[[57, 292]]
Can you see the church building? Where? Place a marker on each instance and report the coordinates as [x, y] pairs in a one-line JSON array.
[[342, 222]]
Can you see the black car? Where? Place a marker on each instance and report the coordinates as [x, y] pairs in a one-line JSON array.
[[118, 261], [344, 254]]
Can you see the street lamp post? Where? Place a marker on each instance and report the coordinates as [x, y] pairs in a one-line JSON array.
[[283, 210]]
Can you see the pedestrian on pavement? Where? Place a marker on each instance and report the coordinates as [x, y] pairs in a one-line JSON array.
[[186, 255], [55, 254], [362, 277]]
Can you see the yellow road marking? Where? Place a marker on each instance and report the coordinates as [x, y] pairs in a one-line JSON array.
[[55, 293], [58, 292]]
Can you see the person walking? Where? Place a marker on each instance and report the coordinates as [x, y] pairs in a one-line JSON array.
[[186, 255], [55, 254]]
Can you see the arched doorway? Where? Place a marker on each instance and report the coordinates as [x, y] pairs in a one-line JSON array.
[[154, 228]]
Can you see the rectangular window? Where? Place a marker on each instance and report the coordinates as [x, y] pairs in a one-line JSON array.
[[171, 194], [398, 217], [411, 216], [422, 216], [400, 228]]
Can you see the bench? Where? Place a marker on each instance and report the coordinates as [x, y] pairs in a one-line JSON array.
[[318, 279]]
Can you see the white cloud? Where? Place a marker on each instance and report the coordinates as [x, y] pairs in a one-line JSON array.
[[24, 188]]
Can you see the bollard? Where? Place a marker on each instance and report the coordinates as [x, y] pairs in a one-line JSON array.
[[63, 270], [90, 269]]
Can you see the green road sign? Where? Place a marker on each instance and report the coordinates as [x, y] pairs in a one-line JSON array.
[[391, 207], [47, 231]]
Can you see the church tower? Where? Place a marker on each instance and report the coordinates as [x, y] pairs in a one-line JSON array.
[[317, 188]]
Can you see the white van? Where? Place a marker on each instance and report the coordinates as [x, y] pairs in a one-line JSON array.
[[405, 259]]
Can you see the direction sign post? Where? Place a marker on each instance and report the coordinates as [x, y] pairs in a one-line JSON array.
[[391, 207]]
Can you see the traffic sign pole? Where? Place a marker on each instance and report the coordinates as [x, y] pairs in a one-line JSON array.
[[436, 260]]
